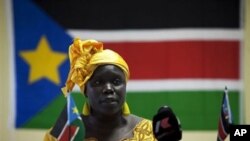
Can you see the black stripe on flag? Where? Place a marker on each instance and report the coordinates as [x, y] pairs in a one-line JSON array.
[[145, 14], [60, 123]]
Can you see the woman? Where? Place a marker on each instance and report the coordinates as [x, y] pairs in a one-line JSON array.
[[102, 76]]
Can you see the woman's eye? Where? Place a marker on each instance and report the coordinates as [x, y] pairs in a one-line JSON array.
[[117, 81], [97, 82]]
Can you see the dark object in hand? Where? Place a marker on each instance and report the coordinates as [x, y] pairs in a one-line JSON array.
[[166, 126]]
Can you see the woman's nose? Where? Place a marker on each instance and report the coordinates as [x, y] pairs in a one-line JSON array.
[[108, 89]]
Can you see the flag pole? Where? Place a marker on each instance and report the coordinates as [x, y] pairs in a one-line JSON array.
[[68, 113]]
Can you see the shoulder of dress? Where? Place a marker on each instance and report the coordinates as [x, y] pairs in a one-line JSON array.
[[143, 131], [145, 122]]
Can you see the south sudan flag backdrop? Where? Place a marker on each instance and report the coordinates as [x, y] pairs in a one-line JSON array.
[[180, 53]]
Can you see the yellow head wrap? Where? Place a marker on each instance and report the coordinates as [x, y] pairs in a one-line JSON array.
[[85, 56]]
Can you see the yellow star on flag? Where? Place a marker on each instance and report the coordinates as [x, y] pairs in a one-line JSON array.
[[75, 110], [43, 62]]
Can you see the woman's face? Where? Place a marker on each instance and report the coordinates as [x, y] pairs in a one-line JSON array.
[[106, 90]]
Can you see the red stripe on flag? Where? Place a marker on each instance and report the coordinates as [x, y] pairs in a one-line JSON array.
[[221, 131], [180, 59], [68, 133]]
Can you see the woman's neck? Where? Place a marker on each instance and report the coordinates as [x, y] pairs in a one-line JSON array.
[[109, 127]]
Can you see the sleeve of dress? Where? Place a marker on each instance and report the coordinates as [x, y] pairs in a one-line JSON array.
[[144, 131]]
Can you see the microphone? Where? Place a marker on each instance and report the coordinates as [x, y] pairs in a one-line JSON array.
[[166, 126]]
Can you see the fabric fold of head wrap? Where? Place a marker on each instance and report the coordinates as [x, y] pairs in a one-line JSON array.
[[85, 56]]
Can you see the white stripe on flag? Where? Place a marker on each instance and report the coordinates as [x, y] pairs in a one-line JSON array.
[[180, 84], [73, 137], [158, 34], [62, 132]]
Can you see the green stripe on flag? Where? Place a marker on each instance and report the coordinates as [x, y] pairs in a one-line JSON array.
[[48, 116], [197, 110]]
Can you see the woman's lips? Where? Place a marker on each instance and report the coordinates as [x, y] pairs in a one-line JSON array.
[[109, 101]]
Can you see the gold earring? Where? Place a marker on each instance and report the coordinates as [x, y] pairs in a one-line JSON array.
[[125, 109], [86, 109]]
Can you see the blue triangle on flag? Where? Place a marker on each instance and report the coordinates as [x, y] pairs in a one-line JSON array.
[[31, 24]]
